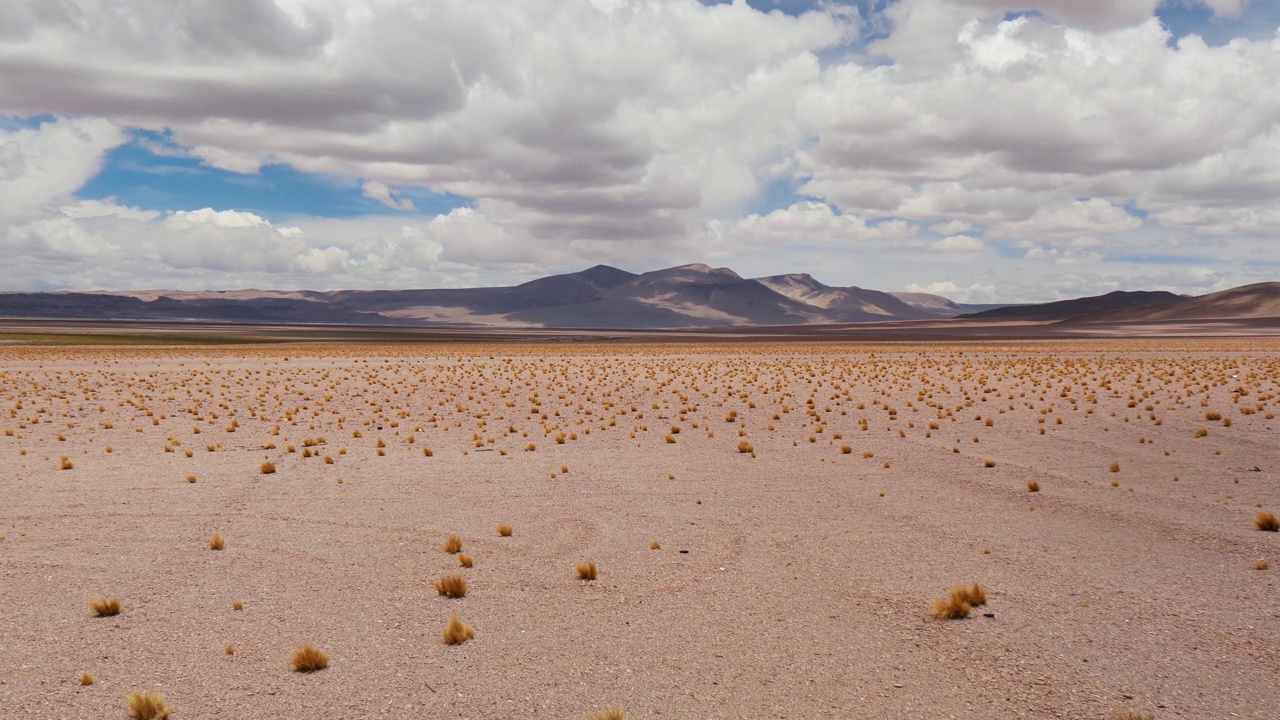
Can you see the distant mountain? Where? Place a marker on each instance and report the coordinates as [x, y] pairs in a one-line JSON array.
[[1064, 309], [1247, 301], [607, 298], [939, 306], [844, 304]]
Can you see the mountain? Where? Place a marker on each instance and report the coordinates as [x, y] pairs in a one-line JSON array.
[[939, 306], [1247, 301], [1065, 309], [848, 304], [608, 298]]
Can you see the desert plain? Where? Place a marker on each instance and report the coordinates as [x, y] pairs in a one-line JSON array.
[[771, 523]]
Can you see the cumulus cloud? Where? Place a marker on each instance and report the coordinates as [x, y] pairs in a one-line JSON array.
[[379, 191], [589, 131], [958, 243]]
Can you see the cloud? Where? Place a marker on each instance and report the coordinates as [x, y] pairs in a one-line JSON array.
[[958, 244], [379, 191], [584, 131]]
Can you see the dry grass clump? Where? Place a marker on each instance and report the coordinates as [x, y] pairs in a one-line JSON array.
[[191, 478], [953, 608], [846, 449], [988, 463], [613, 713], [960, 603], [454, 586], [464, 560], [1261, 565], [587, 570], [86, 679], [148, 706], [1201, 432], [1033, 486], [1266, 522], [457, 632], [1114, 467], [453, 544], [309, 659], [237, 605], [66, 464], [1214, 416], [505, 530], [745, 447], [655, 545], [103, 607], [530, 447], [267, 467], [216, 542]]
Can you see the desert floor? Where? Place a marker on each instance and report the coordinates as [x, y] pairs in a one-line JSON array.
[[793, 579]]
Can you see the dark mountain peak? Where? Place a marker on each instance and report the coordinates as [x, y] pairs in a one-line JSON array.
[[605, 277], [692, 273], [1076, 307]]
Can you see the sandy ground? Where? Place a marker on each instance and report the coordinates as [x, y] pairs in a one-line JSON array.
[[792, 582]]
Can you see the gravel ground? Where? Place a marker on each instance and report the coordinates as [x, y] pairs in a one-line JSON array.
[[791, 582]]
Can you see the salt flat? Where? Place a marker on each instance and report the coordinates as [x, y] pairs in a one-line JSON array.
[[793, 579]]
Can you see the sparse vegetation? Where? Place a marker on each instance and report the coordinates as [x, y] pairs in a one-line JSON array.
[[148, 705], [505, 530], [453, 545], [105, 607], [457, 632], [1266, 522], [267, 467], [464, 560], [454, 586], [309, 659], [217, 542], [587, 570]]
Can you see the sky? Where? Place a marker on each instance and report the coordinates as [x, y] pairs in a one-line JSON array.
[[986, 150]]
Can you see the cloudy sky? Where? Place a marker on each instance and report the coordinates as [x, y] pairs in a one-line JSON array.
[[989, 150]]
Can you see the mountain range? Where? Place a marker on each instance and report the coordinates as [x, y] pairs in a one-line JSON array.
[[603, 297]]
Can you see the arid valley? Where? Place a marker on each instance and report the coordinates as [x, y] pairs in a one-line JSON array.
[[771, 524]]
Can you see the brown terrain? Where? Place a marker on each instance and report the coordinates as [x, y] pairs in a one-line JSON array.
[[769, 523]]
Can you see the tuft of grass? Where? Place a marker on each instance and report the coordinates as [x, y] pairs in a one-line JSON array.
[[66, 464], [505, 530], [237, 605], [86, 679], [587, 570], [745, 447], [1261, 565], [530, 447], [1266, 522], [148, 706], [1213, 416], [1201, 432], [457, 632], [953, 608], [655, 545], [191, 478], [1114, 467], [267, 467], [453, 545], [613, 713], [988, 463], [453, 586], [846, 449], [309, 659], [230, 650], [216, 542], [103, 607], [1033, 486], [975, 595]]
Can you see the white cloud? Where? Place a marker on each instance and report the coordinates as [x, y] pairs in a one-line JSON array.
[[379, 191], [640, 133]]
